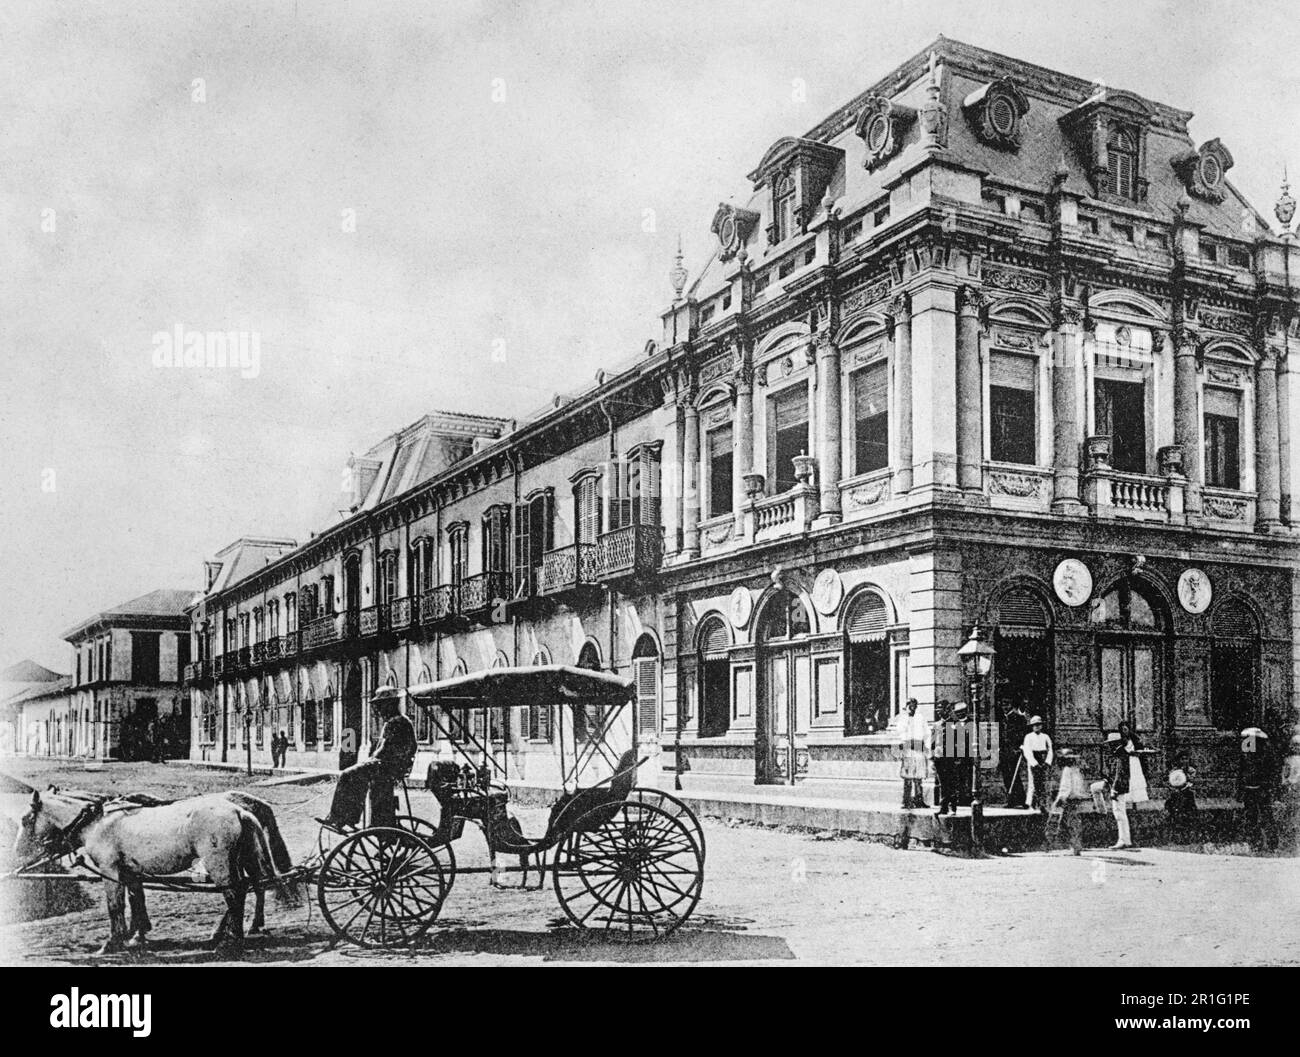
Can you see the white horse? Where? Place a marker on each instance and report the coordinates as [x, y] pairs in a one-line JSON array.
[[126, 843]]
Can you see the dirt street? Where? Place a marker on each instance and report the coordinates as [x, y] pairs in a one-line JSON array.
[[769, 897]]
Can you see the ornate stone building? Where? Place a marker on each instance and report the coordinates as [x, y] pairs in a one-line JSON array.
[[988, 345]]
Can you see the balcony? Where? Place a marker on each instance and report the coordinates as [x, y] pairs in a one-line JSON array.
[[219, 664], [198, 672], [323, 631], [271, 651], [632, 551], [569, 568], [1113, 493], [259, 653], [399, 614], [437, 606], [370, 622], [480, 595], [244, 659]]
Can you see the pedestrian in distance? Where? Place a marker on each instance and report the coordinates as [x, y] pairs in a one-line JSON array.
[[1074, 788], [1038, 755], [914, 750], [1255, 788]]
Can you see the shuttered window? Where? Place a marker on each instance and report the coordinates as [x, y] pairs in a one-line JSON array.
[[1021, 615], [871, 418], [1012, 406], [634, 494], [645, 673], [713, 638], [1222, 438], [866, 622], [587, 497]]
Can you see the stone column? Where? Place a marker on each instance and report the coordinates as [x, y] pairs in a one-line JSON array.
[[1065, 414], [1186, 421], [901, 312], [1266, 440], [829, 432], [742, 442], [1284, 438], [970, 446], [691, 482]]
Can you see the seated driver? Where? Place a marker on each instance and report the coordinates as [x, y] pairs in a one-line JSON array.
[[389, 763]]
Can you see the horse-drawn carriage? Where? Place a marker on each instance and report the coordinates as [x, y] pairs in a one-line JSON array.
[[624, 860]]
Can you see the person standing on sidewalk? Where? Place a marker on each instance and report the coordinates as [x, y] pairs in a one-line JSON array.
[[1119, 778], [941, 749], [1255, 787], [1074, 788], [1039, 756], [914, 750]]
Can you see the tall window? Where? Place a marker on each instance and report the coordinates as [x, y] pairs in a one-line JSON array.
[[713, 681], [144, 656], [495, 539], [635, 499], [721, 475], [787, 436], [1012, 403], [533, 528], [1234, 666], [244, 639], [326, 595], [1121, 415], [259, 625], [273, 618], [539, 716], [867, 654], [182, 653], [1121, 158], [871, 418], [387, 577], [291, 611], [783, 209], [1222, 438], [458, 541]]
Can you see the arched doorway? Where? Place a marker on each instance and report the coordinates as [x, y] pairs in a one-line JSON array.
[[713, 675], [1234, 667], [1131, 624], [350, 739], [784, 690], [1022, 678]]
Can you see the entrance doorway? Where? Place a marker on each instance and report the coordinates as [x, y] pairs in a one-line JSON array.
[[350, 736], [1131, 665], [784, 691], [1022, 681]]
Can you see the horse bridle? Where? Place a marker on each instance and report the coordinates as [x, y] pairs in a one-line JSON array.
[[60, 842]]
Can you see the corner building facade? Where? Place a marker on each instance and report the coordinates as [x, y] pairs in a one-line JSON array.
[[988, 345]]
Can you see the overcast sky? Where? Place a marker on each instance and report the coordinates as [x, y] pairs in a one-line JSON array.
[[341, 180]]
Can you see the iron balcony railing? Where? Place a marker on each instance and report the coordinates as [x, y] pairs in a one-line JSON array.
[[323, 631], [219, 664], [635, 550], [244, 658], [482, 592], [437, 605], [566, 568], [399, 613], [259, 653], [369, 621]]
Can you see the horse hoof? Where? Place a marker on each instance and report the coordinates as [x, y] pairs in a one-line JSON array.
[[139, 943], [111, 947]]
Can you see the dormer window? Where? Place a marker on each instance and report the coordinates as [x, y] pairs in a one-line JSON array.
[[783, 209], [1121, 161]]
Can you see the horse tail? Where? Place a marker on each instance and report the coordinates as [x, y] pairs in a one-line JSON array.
[[259, 864], [265, 816]]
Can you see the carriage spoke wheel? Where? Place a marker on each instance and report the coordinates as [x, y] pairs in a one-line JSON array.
[[381, 887], [675, 807], [428, 833], [629, 870]]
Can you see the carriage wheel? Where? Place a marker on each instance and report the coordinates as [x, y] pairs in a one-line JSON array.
[[381, 887], [429, 833], [629, 870], [675, 807]]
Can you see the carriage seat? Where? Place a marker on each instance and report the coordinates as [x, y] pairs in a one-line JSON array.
[[572, 806]]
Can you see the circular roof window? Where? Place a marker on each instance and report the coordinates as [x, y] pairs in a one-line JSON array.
[[877, 133], [1211, 170], [1002, 115]]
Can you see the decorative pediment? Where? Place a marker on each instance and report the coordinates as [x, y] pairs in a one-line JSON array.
[[1204, 170], [995, 112], [880, 125], [733, 226]]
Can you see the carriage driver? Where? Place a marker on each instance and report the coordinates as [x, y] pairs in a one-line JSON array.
[[390, 762]]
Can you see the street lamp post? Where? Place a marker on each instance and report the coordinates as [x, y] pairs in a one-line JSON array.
[[977, 662]]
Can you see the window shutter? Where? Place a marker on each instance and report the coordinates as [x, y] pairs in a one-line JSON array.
[[1223, 402], [1012, 372], [714, 639], [867, 621], [1021, 615], [646, 675], [871, 393], [650, 485]]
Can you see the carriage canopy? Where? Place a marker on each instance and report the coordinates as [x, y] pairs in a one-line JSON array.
[[551, 684]]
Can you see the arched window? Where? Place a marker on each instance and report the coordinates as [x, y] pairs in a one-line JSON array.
[[1121, 158], [539, 716], [645, 674], [783, 209], [1234, 667], [784, 617], [584, 725], [713, 676], [425, 730], [871, 702], [1125, 607]]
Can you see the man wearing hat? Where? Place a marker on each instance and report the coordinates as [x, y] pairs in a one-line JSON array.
[[1255, 787], [1038, 754], [388, 764], [914, 740], [952, 756], [1074, 787]]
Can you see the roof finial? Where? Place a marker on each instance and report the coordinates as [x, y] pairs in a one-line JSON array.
[[677, 274], [1284, 208]]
